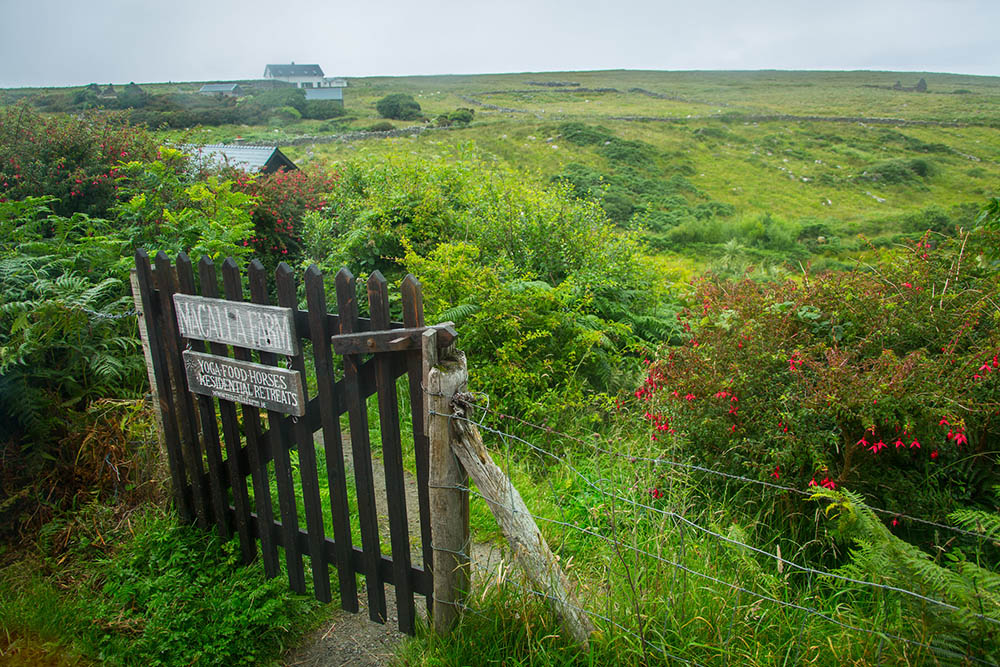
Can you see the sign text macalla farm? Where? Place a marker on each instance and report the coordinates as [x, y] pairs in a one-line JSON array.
[[245, 382], [267, 328]]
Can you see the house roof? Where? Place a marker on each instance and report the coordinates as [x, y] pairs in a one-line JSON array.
[[265, 159], [293, 70], [220, 88]]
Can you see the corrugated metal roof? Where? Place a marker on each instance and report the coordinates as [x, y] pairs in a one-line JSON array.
[[248, 158], [219, 88], [293, 70], [324, 94]]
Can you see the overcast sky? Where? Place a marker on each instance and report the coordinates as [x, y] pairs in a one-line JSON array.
[[74, 42]]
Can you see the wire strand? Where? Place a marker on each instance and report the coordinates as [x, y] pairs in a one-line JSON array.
[[708, 531], [719, 473]]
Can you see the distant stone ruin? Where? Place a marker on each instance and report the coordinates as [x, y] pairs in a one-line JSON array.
[[554, 84], [921, 87]]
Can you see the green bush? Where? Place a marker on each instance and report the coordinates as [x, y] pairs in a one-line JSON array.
[[132, 97], [900, 171], [76, 160], [634, 153], [277, 98], [398, 106], [177, 596], [460, 116], [584, 135], [323, 109], [548, 295], [885, 383]]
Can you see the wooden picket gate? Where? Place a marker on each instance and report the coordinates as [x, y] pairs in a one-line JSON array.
[[215, 361]]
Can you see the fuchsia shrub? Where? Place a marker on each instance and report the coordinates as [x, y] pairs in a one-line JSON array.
[[282, 198], [885, 379], [74, 159]]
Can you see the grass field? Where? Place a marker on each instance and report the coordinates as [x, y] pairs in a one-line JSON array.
[[806, 148]]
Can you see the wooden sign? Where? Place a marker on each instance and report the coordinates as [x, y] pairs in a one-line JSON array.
[[245, 382], [267, 328]]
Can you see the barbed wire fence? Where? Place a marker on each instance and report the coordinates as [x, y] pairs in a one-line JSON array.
[[619, 501]]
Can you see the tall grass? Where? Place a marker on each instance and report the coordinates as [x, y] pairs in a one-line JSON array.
[[661, 592]]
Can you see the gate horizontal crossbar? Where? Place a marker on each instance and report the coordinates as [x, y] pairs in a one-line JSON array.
[[394, 340], [421, 578]]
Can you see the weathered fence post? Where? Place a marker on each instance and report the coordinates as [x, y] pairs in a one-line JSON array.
[[148, 356], [449, 502]]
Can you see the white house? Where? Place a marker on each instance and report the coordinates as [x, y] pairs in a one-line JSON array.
[[303, 76]]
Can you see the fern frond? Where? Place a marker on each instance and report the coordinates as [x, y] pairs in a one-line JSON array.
[[459, 313], [987, 523]]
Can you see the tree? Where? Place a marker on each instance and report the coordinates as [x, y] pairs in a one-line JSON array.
[[399, 106], [921, 86], [132, 97]]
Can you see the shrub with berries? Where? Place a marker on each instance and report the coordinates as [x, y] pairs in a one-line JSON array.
[[281, 199], [883, 380], [76, 160]]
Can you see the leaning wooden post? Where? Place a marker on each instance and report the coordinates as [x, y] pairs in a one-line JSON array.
[[531, 551], [449, 501]]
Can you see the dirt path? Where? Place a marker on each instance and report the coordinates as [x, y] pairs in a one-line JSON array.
[[351, 639]]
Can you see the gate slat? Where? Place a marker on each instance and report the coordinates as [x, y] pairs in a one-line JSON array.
[[307, 454], [230, 432], [157, 348], [413, 316], [333, 446], [347, 309], [392, 458], [206, 412], [281, 442], [233, 284], [183, 407]]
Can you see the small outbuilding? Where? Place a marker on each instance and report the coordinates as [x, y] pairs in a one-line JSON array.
[[253, 159], [222, 89]]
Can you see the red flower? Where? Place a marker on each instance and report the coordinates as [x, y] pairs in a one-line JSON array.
[[877, 447], [777, 472], [934, 454], [914, 444], [862, 442], [899, 443], [828, 483], [960, 439], [943, 422], [812, 482], [689, 396], [894, 522]]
